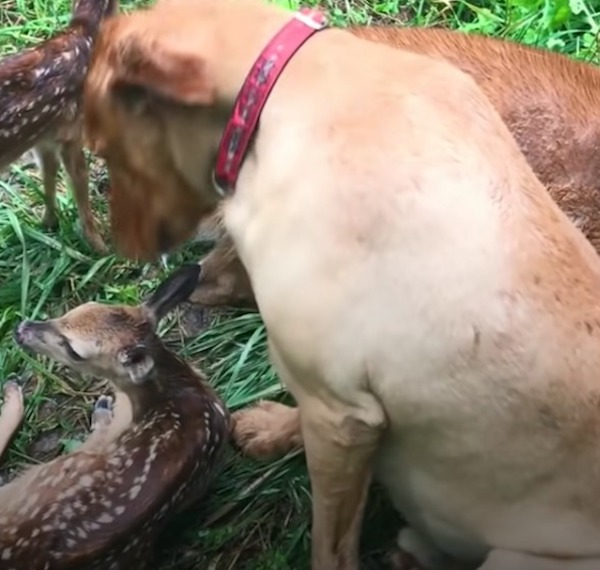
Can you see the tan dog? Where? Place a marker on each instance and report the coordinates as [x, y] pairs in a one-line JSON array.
[[431, 309], [548, 101]]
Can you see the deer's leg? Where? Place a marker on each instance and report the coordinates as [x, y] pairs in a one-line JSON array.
[[267, 429], [77, 170], [109, 421], [48, 161], [102, 415], [11, 413]]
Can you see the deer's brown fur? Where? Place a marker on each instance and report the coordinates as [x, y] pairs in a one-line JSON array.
[[102, 506], [40, 108]]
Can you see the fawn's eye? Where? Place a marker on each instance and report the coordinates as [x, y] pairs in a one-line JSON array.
[[73, 355]]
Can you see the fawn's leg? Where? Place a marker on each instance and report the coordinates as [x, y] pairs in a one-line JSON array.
[[102, 415], [11, 413], [77, 170], [46, 155], [109, 421]]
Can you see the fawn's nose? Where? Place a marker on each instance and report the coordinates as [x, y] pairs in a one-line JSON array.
[[21, 331], [25, 331]]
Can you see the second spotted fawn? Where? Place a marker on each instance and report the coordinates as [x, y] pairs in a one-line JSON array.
[[148, 457], [40, 108]]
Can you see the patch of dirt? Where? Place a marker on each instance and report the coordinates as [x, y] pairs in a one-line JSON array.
[[194, 318], [47, 445]]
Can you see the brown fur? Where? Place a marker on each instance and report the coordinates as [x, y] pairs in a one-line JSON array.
[[102, 506], [426, 300], [40, 100], [550, 102], [223, 281]]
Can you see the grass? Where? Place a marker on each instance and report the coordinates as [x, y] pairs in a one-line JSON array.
[[259, 513]]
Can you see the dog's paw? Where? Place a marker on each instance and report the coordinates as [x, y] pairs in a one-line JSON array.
[[266, 430]]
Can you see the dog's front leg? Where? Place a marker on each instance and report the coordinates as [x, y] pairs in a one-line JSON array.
[[340, 442]]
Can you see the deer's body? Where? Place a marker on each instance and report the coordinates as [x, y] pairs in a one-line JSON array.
[[102, 506], [40, 100]]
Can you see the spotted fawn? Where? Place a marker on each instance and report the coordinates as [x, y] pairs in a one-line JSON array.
[[40, 108], [150, 455]]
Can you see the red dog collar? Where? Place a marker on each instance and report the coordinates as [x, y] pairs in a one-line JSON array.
[[255, 91]]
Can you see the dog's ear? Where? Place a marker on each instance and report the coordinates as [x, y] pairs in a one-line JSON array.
[[174, 290], [148, 66]]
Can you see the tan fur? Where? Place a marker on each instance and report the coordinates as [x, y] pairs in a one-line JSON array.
[[431, 309], [224, 280], [550, 103], [271, 429], [102, 506]]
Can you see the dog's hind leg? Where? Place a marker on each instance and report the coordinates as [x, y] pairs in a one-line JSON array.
[[420, 553], [509, 560]]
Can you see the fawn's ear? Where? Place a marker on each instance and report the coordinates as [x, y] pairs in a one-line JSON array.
[[159, 67], [174, 290], [137, 361]]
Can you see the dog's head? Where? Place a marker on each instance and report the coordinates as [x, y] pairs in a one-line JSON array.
[[151, 111]]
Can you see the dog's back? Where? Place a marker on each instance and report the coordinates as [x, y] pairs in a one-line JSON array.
[[550, 102]]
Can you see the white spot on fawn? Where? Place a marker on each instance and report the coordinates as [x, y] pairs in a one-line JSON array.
[[86, 481]]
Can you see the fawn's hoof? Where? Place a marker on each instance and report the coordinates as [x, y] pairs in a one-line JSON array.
[[13, 397], [103, 412], [50, 222], [96, 242]]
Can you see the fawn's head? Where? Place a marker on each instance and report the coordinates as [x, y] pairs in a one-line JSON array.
[[114, 341]]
